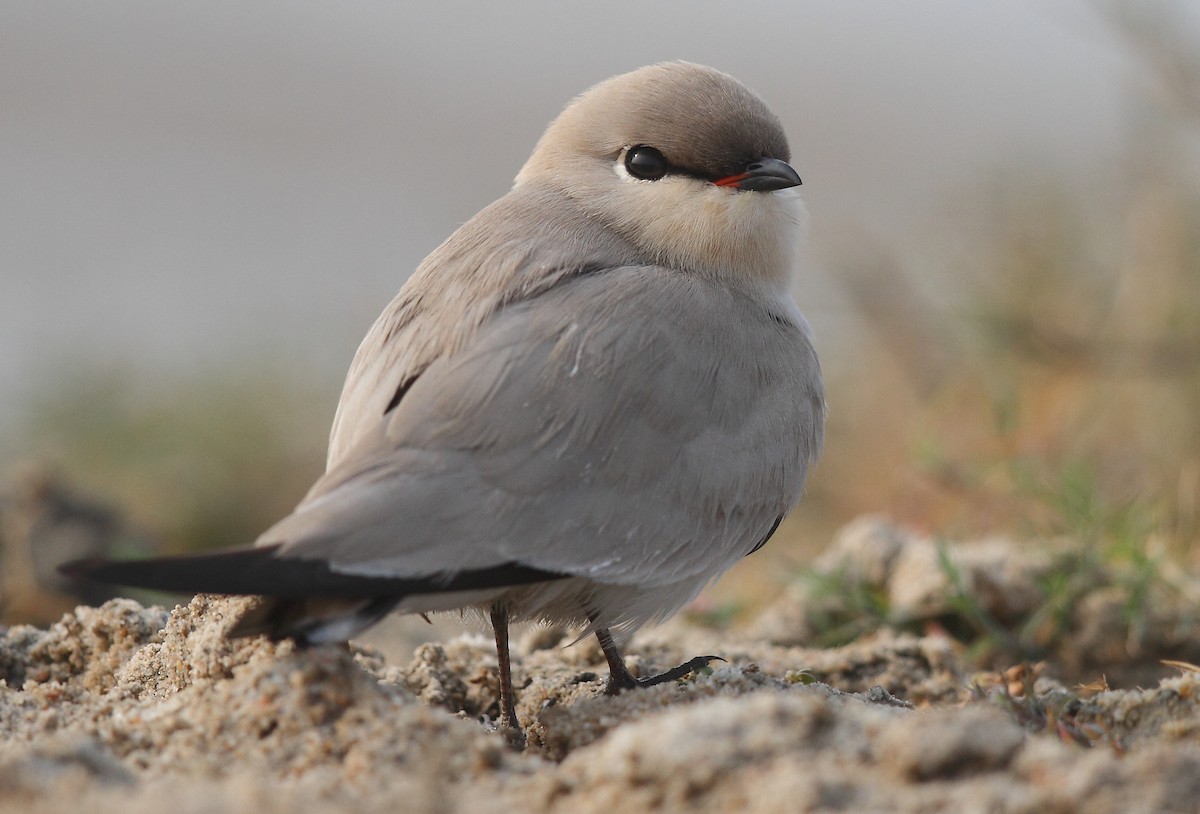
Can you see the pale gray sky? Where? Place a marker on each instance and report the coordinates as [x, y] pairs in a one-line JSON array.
[[190, 184]]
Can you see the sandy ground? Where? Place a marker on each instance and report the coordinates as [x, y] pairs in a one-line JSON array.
[[131, 709]]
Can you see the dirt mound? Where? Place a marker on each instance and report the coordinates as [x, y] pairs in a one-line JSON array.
[[134, 709]]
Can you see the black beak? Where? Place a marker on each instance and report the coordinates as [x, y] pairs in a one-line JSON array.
[[764, 175]]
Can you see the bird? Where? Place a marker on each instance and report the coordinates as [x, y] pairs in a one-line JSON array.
[[594, 398]]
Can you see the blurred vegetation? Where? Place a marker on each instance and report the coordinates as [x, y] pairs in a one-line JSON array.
[[1036, 363], [206, 460]]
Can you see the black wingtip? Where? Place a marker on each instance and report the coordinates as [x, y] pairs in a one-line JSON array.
[[80, 569], [259, 571], [225, 572]]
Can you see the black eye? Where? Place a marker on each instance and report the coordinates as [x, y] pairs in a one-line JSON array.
[[645, 163]]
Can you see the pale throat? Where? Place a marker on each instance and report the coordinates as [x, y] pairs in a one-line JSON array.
[[748, 236]]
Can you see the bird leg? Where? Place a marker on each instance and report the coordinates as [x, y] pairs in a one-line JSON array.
[[619, 677], [508, 726]]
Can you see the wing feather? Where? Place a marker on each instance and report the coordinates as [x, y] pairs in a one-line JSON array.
[[632, 426]]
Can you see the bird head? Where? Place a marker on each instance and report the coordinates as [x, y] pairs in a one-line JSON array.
[[687, 164]]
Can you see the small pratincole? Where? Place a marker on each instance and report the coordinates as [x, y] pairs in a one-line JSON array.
[[590, 401]]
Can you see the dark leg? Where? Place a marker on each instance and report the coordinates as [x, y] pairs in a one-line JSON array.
[[619, 677], [509, 725]]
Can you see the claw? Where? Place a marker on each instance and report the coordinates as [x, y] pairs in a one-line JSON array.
[[690, 666], [617, 683]]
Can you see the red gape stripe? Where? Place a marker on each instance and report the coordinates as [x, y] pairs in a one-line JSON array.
[[732, 180]]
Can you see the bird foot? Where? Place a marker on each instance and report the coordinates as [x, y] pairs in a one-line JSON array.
[[513, 735], [624, 680]]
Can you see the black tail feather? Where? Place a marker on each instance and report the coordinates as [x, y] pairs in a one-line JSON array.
[[260, 571]]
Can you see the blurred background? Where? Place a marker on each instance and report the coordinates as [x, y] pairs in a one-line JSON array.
[[205, 205]]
